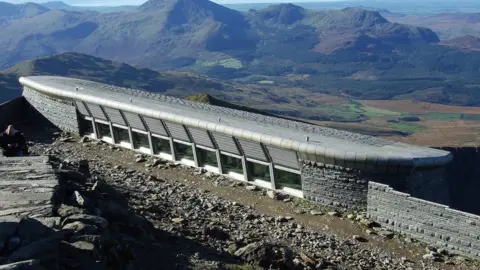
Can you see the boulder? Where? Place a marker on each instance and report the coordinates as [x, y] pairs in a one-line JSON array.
[[23, 265], [87, 219]]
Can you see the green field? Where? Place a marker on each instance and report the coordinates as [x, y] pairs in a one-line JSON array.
[[452, 116], [226, 63], [443, 116], [376, 112], [266, 82], [406, 127], [355, 112]]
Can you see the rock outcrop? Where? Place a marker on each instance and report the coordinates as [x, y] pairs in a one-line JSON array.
[[56, 219]]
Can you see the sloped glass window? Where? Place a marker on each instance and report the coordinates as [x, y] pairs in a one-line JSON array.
[[161, 146], [121, 135], [206, 157], [103, 130], [259, 171], [140, 140], [288, 179], [184, 151], [232, 164], [86, 126]]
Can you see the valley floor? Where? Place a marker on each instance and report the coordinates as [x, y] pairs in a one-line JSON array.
[[222, 216]]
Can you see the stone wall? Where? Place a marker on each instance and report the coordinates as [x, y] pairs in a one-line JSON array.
[[334, 185], [60, 113], [435, 224], [11, 112], [347, 188]]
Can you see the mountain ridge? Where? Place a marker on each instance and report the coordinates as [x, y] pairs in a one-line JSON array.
[[162, 31], [18, 11]]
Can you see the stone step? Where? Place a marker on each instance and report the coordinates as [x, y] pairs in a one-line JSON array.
[[28, 183], [26, 170], [10, 199], [42, 210]]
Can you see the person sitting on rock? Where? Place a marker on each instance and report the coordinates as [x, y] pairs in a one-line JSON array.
[[12, 142]]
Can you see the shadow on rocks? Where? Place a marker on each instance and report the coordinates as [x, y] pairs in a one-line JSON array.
[[38, 131], [101, 232]]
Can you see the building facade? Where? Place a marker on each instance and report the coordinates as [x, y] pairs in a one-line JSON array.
[[323, 165]]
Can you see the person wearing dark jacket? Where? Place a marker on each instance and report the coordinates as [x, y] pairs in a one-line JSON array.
[[12, 142]]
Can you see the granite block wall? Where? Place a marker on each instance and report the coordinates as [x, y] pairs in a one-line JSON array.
[[347, 188], [60, 113], [436, 224], [334, 185]]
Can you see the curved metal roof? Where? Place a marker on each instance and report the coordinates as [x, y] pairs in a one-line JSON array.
[[324, 143]]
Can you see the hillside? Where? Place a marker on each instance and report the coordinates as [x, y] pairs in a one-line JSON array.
[[101, 70], [365, 30], [179, 84], [28, 10], [353, 52], [208, 99], [467, 43]]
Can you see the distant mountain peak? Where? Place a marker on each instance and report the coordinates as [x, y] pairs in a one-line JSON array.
[[55, 4], [365, 16], [283, 13], [184, 11], [153, 5]]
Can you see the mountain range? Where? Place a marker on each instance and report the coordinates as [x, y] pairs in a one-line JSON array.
[[352, 52], [178, 32]]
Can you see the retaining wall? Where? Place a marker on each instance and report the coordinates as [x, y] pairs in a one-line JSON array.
[[333, 185], [433, 223], [60, 113], [347, 188]]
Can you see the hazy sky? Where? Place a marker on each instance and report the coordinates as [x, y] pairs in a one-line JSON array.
[[138, 2]]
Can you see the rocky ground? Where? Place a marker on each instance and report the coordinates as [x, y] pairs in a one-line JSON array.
[[203, 221]]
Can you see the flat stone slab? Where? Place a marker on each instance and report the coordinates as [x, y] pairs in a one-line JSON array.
[[27, 185]]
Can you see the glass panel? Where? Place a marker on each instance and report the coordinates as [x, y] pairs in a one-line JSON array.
[[206, 157], [259, 171], [140, 140], [87, 127], [103, 130], [288, 179], [161, 145], [121, 135], [231, 164], [184, 151]]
